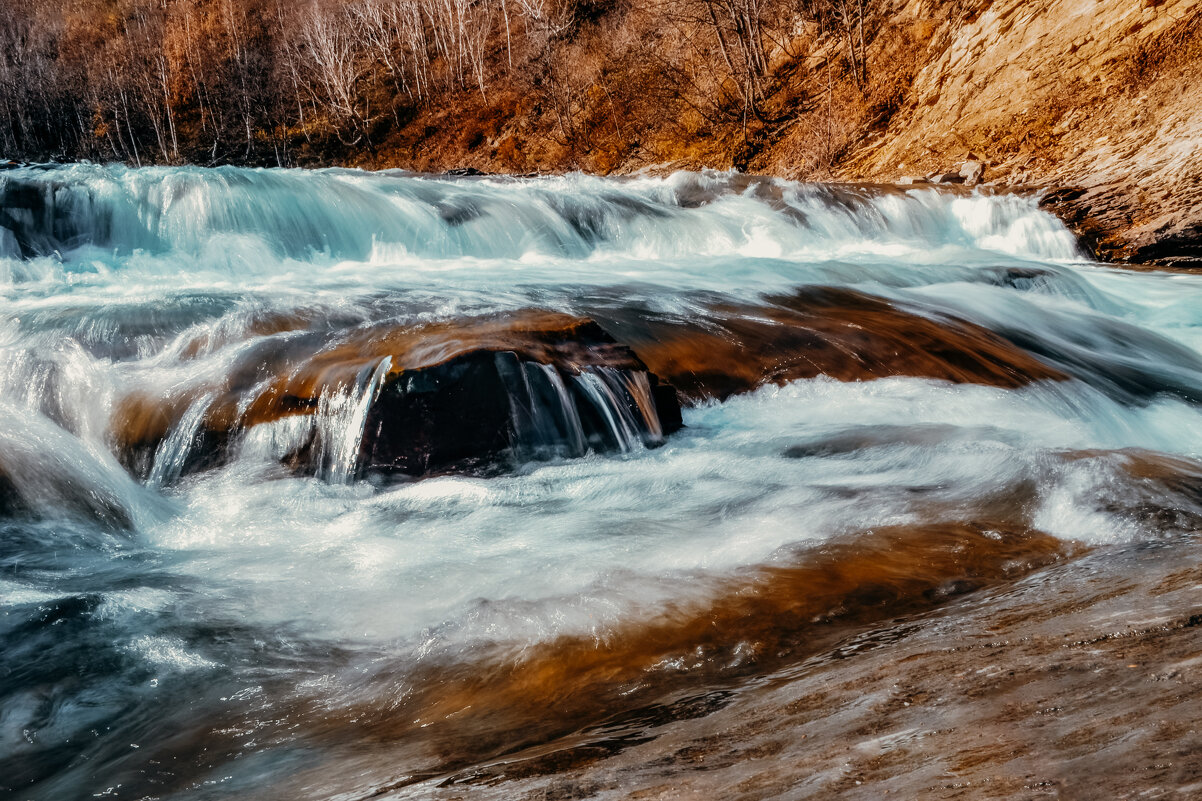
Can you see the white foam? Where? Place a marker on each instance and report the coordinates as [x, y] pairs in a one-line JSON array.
[[186, 226], [169, 653]]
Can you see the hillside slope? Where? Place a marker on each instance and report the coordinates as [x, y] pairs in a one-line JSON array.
[[1098, 95], [1093, 102]]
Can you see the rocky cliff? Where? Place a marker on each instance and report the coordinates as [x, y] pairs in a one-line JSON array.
[[1096, 100]]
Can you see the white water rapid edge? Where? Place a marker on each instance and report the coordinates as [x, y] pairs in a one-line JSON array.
[[323, 484]]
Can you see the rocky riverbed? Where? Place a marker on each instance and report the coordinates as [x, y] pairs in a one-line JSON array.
[[1076, 682], [335, 484]]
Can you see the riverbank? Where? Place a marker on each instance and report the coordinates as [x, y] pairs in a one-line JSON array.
[[1088, 103]]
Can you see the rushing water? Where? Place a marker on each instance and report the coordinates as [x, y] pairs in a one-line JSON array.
[[176, 625]]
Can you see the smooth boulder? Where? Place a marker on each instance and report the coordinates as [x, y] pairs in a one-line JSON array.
[[467, 395]]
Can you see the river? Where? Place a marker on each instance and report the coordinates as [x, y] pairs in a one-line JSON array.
[[243, 556]]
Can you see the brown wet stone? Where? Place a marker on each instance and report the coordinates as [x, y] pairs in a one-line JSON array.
[[444, 400], [571, 343], [458, 419], [982, 701], [467, 717], [840, 333]]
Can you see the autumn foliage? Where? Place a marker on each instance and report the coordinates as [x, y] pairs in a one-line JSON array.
[[515, 85]]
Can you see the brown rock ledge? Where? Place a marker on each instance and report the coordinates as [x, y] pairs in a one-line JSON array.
[[841, 333], [458, 395], [1112, 224], [1076, 683]]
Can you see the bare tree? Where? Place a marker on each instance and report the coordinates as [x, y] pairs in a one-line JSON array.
[[336, 66]]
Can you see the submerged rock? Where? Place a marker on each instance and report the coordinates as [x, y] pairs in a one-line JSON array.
[[32, 217], [840, 333], [481, 407], [479, 394], [467, 395], [1077, 683], [748, 624], [47, 473]]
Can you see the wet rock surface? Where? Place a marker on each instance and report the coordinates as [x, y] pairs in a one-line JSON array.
[[38, 482], [473, 393], [41, 217], [459, 396], [560, 387], [1114, 225], [466, 394], [603, 694], [841, 333], [1075, 682], [477, 394]]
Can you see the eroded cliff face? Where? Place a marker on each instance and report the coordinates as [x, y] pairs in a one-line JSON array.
[[1096, 99]]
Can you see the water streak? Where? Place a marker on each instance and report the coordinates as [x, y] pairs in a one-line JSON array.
[[607, 390], [339, 423], [172, 454]]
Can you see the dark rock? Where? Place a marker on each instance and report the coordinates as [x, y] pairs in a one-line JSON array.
[[1076, 209], [465, 171], [479, 409], [39, 486], [1112, 223], [43, 219], [947, 178], [11, 502], [1177, 246], [458, 211], [470, 395]]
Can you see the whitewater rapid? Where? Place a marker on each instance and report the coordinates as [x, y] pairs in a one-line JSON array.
[[253, 606]]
